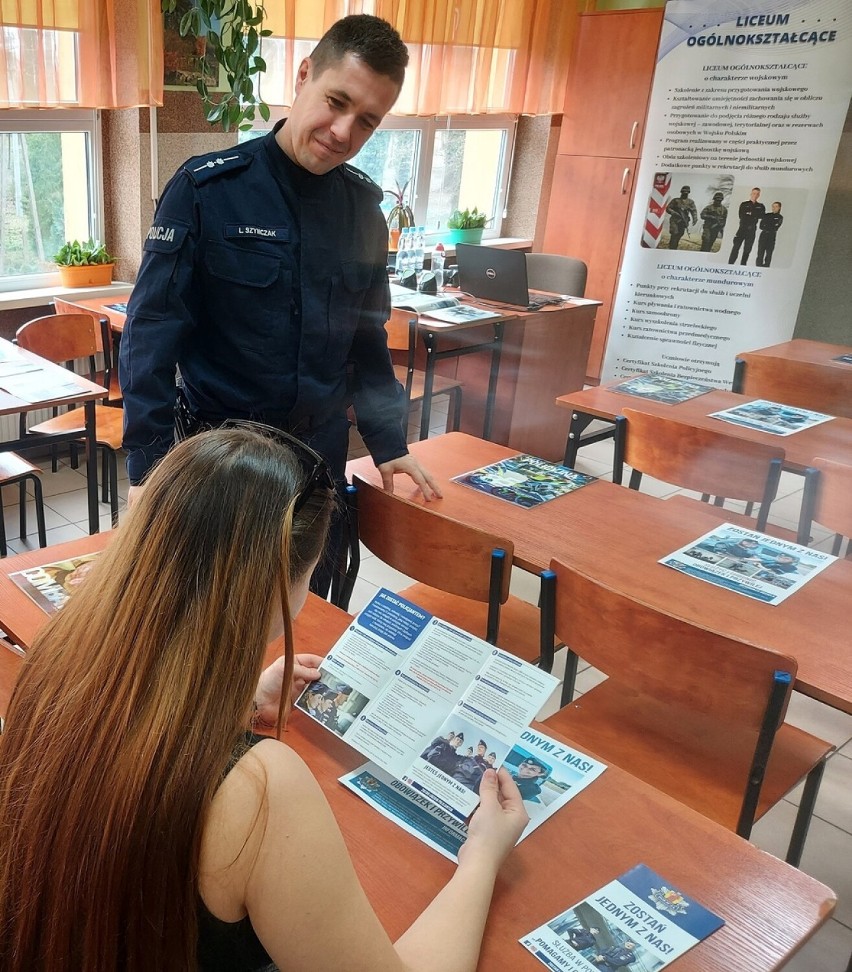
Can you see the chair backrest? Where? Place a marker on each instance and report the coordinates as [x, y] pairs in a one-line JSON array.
[[827, 499], [803, 384], [431, 548], [398, 329], [701, 459], [656, 653], [556, 273], [64, 337]]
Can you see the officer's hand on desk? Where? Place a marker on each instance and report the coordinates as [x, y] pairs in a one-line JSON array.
[[410, 467]]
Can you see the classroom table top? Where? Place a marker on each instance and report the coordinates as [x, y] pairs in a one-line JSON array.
[[830, 440], [87, 391], [619, 534], [770, 908]]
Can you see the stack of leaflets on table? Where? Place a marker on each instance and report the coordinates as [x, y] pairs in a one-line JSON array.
[[548, 773], [413, 693], [772, 417], [637, 921], [121, 307], [751, 563], [524, 480], [441, 307], [50, 585], [845, 358], [660, 388]]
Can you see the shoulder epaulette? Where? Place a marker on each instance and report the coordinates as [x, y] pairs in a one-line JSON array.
[[362, 179], [203, 168]]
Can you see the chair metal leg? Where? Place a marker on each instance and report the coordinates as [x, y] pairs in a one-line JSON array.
[[2, 529], [618, 458], [457, 405], [104, 475], [806, 812], [112, 462], [22, 505], [39, 505], [569, 682], [498, 568]]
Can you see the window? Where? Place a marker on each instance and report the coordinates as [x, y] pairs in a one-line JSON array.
[[449, 163], [49, 191]]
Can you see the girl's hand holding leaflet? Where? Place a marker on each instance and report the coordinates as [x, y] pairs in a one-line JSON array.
[[498, 822]]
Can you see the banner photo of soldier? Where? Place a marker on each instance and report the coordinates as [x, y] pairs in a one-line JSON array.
[[687, 210]]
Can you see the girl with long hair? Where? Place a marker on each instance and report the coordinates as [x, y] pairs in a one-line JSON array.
[[140, 827]]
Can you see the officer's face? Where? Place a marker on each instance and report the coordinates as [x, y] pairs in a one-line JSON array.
[[334, 113], [755, 195]]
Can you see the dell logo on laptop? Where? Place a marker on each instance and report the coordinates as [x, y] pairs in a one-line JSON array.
[[490, 273]]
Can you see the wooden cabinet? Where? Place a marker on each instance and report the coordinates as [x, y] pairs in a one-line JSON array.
[[609, 83], [603, 123]]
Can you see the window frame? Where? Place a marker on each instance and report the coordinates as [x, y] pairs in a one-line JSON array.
[[85, 120]]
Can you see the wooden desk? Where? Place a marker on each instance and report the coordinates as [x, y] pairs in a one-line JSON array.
[[798, 372], [508, 395], [831, 440], [620, 534], [97, 306], [770, 909], [88, 394]]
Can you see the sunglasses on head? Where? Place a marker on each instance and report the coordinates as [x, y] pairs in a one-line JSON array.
[[316, 469]]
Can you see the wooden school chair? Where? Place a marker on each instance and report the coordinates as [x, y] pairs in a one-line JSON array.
[[828, 500], [401, 330], [803, 384], [65, 339], [556, 274], [711, 463], [463, 573], [697, 715], [15, 470]]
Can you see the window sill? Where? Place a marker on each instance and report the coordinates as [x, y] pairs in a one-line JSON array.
[[40, 296]]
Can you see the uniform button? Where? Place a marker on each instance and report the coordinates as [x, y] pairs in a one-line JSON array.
[[211, 164]]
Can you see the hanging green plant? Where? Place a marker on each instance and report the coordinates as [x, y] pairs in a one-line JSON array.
[[232, 30]]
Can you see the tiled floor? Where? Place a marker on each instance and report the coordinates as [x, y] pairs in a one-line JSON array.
[[828, 852]]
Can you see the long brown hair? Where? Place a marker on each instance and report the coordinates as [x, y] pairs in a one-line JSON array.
[[131, 702]]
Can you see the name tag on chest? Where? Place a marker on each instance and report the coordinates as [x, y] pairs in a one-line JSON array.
[[248, 231]]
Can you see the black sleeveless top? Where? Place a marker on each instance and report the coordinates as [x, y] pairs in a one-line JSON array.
[[231, 946]]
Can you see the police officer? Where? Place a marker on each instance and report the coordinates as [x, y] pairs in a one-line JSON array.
[[769, 226], [680, 212], [715, 216], [263, 277], [750, 213]]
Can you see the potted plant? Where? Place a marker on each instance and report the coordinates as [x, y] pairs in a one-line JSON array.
[[466, 225], [84, 264], [400, 215]]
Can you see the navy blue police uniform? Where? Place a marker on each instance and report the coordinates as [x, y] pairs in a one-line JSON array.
[[266, 285], [769, 226], [750, 213]]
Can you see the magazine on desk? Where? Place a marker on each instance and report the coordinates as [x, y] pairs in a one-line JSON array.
[[547, 771], [843, 358], [637, 921], [660, 388], [524, 480], [50, 585], [751, 563], [772, 417], [412, 693], [440, 307]]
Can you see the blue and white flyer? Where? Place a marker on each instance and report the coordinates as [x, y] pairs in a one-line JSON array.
[[548, 772], [761, 567], [414, 694], [637, 921]]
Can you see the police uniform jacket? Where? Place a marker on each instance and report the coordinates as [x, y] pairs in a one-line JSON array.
[[267, 285], [771, 223], [750, 212]]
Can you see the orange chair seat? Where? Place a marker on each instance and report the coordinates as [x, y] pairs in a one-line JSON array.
[[13, 466], [440, 385], [109, 424]]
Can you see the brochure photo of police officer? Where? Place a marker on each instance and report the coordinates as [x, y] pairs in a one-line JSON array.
[[764, 222], [688, 211]]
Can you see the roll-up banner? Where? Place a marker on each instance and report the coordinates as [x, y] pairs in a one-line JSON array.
[[746, 112]]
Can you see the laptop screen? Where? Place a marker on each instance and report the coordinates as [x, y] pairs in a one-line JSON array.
[[492, 274]]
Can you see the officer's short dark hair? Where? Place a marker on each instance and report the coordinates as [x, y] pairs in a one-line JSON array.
[[776, 203], [368, 38]]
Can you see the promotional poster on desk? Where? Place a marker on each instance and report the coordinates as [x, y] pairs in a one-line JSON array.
[[746, 112]]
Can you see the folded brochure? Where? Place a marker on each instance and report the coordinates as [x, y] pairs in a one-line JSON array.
[[637, 921], [412, 693], [548, 772], [524, 480]]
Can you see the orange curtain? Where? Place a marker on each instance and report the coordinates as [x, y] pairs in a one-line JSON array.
[[80, 53], [467, 56]]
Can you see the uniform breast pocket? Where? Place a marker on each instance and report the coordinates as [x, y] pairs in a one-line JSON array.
[[249, 295], [348, 292]]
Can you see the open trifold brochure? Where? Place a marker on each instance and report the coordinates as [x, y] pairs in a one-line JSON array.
[[433, 707], [637, 921], [440, 307]]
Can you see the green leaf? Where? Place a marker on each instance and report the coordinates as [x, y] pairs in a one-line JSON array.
[[264, 110]]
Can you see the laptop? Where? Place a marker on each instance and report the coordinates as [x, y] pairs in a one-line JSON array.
[[499, 275]]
